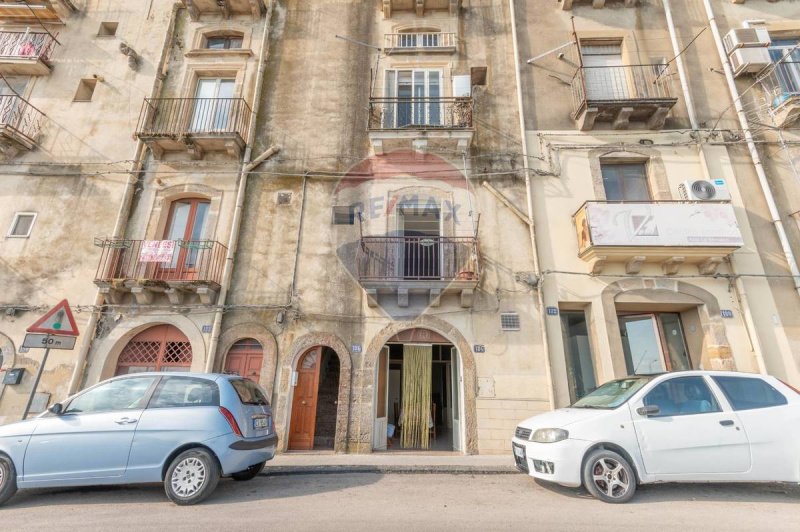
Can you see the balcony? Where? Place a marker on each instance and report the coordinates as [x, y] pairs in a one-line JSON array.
[[416, 123], [420, 7], [25, 53], [407, 43], [669, 233], [566, 5], [621, 95], [782, 86], [20, 123], [419, 265], [32, 12], [226, 8], [147, 268], [195, 125]]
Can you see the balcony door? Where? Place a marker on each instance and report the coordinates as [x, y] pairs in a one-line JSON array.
[[212, 105], [186, 226], [415, 98], [653, 343], [604, 73], [421, 247], [11, 107]]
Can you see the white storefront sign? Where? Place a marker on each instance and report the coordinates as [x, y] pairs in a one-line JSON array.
[[663, 224], [157, 251]]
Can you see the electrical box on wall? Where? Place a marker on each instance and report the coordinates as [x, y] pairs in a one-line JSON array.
[[13, 376]]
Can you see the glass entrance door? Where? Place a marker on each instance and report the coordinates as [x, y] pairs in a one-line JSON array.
[[653, 343]]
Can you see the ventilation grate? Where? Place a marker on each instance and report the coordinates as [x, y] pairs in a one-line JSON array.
[[509, 321], [284, 198]]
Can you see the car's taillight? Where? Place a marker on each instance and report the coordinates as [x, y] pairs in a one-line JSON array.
[[790, 386], [231, 420]]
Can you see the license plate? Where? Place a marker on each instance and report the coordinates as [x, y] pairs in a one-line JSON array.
[[261, 422], [519, 452]]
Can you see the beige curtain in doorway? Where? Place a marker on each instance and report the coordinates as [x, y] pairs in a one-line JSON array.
[[417, 367]]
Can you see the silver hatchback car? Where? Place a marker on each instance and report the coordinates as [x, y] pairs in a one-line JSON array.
[[183, 429]]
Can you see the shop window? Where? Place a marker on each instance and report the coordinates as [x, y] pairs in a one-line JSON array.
[[578, 352], [654, 343]]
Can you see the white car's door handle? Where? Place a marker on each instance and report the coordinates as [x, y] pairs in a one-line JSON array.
[[726, 422], [125, 421]]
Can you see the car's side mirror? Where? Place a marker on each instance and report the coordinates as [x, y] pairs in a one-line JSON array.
[[56, 409], [648, 410]]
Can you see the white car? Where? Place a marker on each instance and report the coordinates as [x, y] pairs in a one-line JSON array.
[[691, 426]]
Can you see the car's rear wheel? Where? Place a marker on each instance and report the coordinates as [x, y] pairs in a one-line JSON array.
[[192, 476], [609, 477], [8, 479], [250, 473]]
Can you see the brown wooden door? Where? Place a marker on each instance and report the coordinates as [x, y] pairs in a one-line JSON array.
[[304, 403], [245, 359]]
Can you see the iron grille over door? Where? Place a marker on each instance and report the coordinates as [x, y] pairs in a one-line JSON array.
[[159, 348]]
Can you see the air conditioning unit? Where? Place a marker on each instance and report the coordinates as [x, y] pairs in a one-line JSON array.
[[746, 38], [749, 60], [702, 190]]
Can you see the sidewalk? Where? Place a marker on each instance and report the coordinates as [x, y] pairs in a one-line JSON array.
[[298, 463]]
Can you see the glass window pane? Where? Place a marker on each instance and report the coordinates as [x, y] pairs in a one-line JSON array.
[[580, 366], [216, 43], [749, 393], [641, 345], [249, 392], [22, 225], [175, 392], [625, 182], [123, 394], [682, 396], [676, 342]]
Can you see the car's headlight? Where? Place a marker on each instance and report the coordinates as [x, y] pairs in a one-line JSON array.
[[549, 435]]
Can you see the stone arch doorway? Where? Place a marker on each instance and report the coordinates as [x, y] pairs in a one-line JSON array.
[[245, 358], [315, 400], [159, 348], [437, 332]]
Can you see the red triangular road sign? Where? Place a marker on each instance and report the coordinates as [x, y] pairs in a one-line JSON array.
[[57, 321]]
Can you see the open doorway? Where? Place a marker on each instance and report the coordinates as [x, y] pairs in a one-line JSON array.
[[315, 401], [418, 403]]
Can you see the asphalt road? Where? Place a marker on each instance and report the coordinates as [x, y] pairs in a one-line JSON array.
[[408, 502]]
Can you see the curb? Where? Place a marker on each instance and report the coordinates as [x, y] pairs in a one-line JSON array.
[[389, 469]]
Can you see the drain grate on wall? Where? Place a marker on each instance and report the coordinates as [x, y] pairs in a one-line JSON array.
[[509, 321]]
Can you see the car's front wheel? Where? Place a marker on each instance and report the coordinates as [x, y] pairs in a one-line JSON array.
[[609, 477], [192, 476], [250, 473], [8, 479]]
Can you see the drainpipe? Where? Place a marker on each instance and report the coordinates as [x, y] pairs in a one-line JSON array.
[[738, 284], [751, 145], [125, 206], [241, 193], [529, 198]]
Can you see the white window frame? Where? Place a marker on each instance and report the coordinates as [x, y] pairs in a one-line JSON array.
[[15, 220]]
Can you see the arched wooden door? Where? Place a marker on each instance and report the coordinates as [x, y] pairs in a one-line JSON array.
[[304, 402], [245, 358], [159, 348]]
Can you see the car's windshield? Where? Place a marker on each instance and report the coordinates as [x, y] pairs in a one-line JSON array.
[[612, 394]]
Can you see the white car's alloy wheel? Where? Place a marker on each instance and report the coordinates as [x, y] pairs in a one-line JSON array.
[[188, 477], [610, 478]]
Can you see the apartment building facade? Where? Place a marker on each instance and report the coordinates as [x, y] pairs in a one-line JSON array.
[[407, 233]]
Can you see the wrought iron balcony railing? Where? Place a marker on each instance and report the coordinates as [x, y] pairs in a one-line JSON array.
[[194, 261], [418, 258], [178, 117], [398, 42], [20, 117], [26, 45], [621, 84], [420, 113]]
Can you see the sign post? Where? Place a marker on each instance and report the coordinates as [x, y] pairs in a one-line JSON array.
[[54, 330]]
